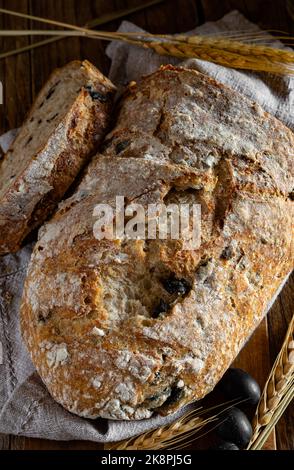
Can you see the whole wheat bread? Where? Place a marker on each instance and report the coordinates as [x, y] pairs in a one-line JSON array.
[[124, 328], [62, 130]]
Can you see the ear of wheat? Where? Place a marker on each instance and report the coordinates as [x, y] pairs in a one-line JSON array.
[[277, 394], [178, 434], [189, 425], [228, 50]]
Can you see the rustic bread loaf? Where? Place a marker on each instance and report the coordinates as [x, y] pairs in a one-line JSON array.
[[63, 128], [122, 329]]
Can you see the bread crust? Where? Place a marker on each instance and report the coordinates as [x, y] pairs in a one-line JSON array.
[[27, 202], [87, 306]]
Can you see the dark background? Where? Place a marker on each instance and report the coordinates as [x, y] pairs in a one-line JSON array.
[[23, 75]]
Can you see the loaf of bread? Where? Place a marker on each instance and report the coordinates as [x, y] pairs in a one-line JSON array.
[[62, 130], [124, 328]]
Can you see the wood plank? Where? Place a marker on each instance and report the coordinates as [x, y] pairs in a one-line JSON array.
[[278, 320], [255, 359], [17, 443], [4, 442], [43, 444], [173, 16], [14, 71], [269, 14], [47, 58]]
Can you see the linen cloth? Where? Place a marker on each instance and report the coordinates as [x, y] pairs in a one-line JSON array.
[[26, 408]]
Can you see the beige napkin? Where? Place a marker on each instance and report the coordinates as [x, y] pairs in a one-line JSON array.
[[26, 407]]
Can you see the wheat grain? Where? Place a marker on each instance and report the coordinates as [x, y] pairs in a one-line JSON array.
[[277, 394], [179, 433], [220, 50], [238, 47], [165, 436], [274, 64]]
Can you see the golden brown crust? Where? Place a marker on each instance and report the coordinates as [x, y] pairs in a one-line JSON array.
[[88, 305], [43, 180]]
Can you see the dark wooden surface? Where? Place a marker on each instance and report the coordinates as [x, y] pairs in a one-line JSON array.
[[22, 77]]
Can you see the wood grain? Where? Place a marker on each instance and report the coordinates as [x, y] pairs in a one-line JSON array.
[[15, 72], [255, 359], [22, 77], [269, 14], [278, 321]]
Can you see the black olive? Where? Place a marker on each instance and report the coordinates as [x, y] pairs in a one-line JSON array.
[[50, 92], [41, 318], [52, 118], [162, 307], [28, 141], [44, 317], [176, 394], [238, 384], [95, 95], [121, 146], [227, 253], [106, 144], [235, 427], [157, 378], [159, 395], [176, 286], [226, 446]]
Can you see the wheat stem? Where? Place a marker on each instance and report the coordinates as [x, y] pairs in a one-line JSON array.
[[240, 56], [177, 434], [39, 32], [218, 50], [103, 19], [46, 20], [164, 436]]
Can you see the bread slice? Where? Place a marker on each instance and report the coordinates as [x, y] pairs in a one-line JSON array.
[[124, 328], [62, 130]]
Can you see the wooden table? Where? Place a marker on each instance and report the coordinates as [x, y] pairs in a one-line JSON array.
[[23, 75]]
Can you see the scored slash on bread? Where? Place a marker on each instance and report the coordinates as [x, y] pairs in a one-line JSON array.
[[121, 329], [62, 130]]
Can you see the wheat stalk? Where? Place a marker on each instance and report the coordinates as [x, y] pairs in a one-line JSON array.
[[235, 46], [231, 53], [166, 436], [277, 394], [266, 59], [178, 434], [220, 50], [103, 19]]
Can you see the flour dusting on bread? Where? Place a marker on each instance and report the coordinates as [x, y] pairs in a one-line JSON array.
[[146, 326]]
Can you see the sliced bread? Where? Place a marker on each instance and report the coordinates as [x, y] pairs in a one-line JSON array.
[[61, 132]]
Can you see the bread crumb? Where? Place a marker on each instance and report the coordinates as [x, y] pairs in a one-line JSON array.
[[58, 355], [97, 331], [96, 382]]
